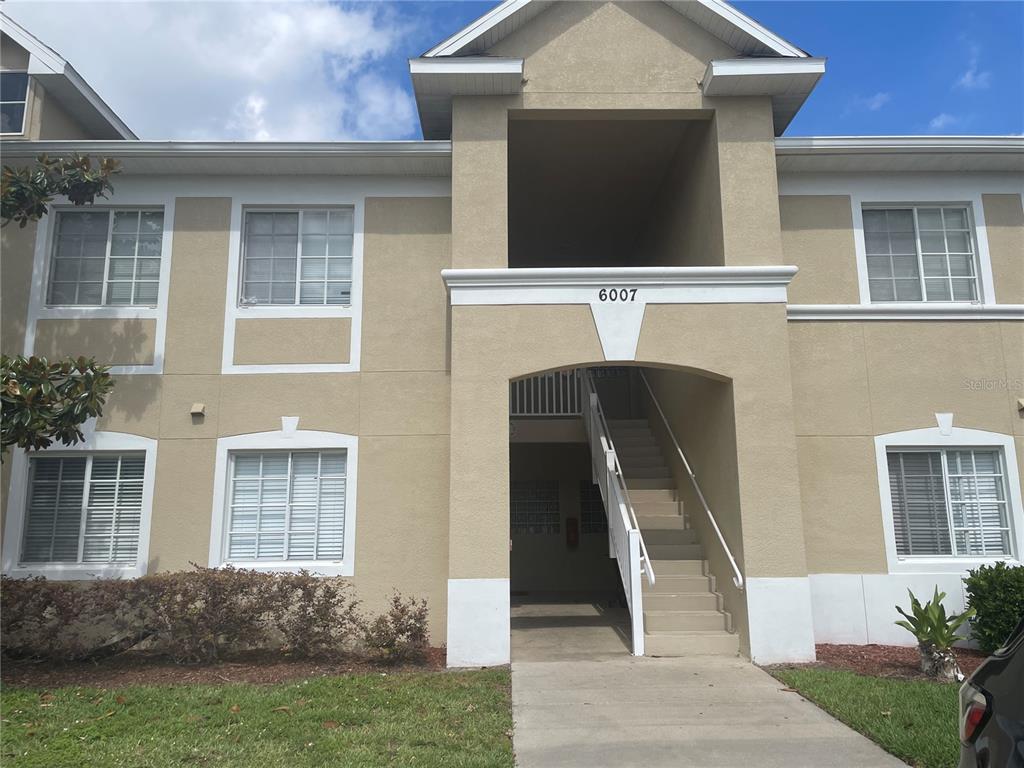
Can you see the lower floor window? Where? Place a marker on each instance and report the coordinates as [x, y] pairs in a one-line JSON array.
[[535, 507], [287, 506], [949, 502], [84, 508]]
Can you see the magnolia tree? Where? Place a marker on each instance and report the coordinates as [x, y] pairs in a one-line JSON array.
[[25, 192], [44, 402], [47, 401]]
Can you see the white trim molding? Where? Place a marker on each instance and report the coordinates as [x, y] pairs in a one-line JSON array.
[[288, 438], [947, 437], [17, 500], [779, 619], [618, 296], [919, 310], [43, 256], [479, 622]]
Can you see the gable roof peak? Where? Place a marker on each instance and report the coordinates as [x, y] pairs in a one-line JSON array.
[[729, 24]]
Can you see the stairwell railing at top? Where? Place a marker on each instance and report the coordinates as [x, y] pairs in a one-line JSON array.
[[626, 542]]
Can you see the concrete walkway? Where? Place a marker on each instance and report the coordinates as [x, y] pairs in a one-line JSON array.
[[579, 699]]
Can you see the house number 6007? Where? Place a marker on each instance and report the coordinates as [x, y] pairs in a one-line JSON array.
[[617, 294]]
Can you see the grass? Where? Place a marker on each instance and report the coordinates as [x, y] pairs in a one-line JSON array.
[[411, 719], [914, 720]]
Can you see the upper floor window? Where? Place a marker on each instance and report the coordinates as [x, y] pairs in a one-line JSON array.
[[297, 257], [13, 97], [920, 254], [106, 258], [84, 509], [949, 502]]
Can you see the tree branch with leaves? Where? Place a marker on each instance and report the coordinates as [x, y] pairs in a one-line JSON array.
[[26, 192], [45, 402]]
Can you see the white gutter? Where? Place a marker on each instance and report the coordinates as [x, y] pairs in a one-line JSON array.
[[296, 149], [868, 144]]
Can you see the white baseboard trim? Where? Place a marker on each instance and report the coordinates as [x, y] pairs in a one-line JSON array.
[[860, 608], [478, 622], [780, 620]]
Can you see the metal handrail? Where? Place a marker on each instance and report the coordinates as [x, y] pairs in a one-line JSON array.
[[737, 578], [606, 438]]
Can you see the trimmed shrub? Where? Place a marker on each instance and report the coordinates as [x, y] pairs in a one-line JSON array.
[[400, 633], [199, 616], [316, 616], [996, 593]]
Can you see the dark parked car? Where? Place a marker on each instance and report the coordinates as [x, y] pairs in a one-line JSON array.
[[992, 709]]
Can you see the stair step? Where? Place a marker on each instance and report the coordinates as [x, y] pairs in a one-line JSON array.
[[634, 436], [664, 508], [675, 584], [674, 552], [653, 495], [613, 423], [677, 621], [653, 460], [646, 473], [639, 449], [674, 601], [650, 484], [658, 537], [707, 643], [672, 522], [676, 568]]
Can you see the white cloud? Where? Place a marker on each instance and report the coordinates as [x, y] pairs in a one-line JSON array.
[[943, 120], [972, 79], [867, 103], [233, 70]]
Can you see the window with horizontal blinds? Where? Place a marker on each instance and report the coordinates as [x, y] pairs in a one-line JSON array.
[[287, 506], [535, 507], [84, 509], [920, 253], [106, 258], [298, 257], [949, 502]]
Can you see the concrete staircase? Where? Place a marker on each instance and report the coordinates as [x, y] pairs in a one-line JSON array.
[[683, 613]]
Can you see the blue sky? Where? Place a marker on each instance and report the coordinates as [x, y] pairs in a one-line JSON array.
[[338, 70]]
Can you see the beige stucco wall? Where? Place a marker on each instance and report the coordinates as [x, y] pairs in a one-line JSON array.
[[12, 56], [282, 341], [110, 341], [16, 248], [853, 381], [1004, 222], [817, 237]]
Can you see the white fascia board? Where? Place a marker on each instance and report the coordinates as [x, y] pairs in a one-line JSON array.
[[867, 144], [255, 149], [468, 34], [466, 65], [743, 22], [761, 67], [42, 58], [601, 276]]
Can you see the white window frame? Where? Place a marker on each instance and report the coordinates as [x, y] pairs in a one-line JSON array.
[[936, 439], [914, 209], [17, 501], [284, 440], [25, 103], [150, 197], [333, 197], [301, 211], [110, 210]]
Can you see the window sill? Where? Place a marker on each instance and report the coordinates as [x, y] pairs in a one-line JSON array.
[[905, 311], [76, 572], [946, 564], [104, 312], [293, 310], [315, 567]]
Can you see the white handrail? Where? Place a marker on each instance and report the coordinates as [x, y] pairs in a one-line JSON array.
[[737, 578], [627, 543]]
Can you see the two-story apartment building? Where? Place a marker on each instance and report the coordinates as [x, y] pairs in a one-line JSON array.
[[754, 386]]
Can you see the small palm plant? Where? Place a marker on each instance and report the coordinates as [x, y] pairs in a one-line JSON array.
[[935, 633]]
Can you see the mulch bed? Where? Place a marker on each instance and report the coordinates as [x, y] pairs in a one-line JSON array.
[[138, 668], [888, 660]]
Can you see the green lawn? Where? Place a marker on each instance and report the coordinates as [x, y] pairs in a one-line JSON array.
[[407, 719], [915, 720]]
